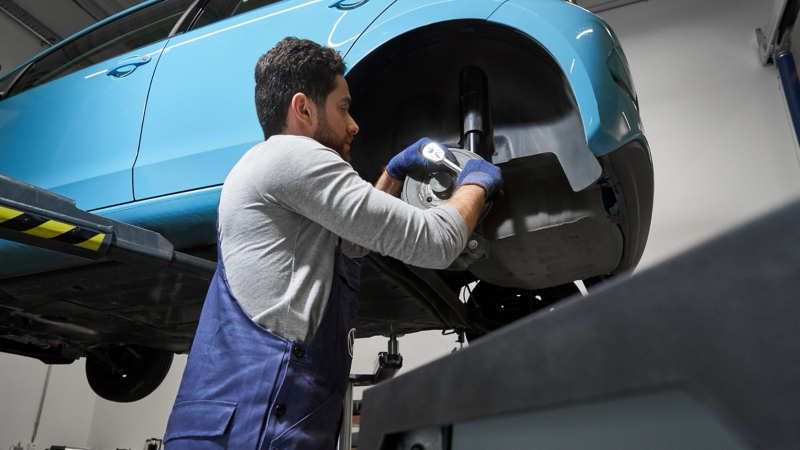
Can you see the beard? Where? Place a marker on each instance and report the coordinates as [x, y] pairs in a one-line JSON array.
[[327, 137]]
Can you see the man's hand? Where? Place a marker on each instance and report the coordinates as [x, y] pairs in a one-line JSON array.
[[410, 159], [481, 173], [479, 179]]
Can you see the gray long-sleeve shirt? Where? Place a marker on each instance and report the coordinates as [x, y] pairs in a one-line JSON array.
[[282, 210]]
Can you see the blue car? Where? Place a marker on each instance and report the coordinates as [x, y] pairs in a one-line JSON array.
[[140, 117]]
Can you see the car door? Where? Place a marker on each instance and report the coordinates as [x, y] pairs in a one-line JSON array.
[[201, 114], [71, 123]]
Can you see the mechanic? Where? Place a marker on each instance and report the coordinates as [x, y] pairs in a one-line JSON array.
[[272, 354]]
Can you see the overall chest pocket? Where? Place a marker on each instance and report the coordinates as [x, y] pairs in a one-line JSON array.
[[199, 424]]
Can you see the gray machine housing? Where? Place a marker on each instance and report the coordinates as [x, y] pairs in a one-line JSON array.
[[710, 335]]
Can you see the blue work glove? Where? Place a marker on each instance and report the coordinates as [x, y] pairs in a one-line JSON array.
[[410, 159], [483, 173]]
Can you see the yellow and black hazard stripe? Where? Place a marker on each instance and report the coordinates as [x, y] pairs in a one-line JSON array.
[[22, 222]]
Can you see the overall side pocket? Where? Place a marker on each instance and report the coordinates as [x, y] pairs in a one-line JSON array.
[[199, 424]]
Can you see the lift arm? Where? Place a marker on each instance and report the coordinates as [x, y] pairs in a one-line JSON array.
[[35, 216]]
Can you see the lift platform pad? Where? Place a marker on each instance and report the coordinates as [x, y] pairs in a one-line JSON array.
[[700, 352]]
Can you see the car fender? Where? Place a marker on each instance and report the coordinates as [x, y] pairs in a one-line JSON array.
[[579, 41], [583, 45], [408, 15]]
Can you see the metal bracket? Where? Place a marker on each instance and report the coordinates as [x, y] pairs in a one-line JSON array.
[[387, 364], [774, 38]]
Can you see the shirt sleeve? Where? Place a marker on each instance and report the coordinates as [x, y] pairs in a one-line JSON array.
[[318, 184]]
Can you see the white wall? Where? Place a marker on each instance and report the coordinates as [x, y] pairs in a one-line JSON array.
[[723, 149], [722, 143], [67, 410], [128, 425]]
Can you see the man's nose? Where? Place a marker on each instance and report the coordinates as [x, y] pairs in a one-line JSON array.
[[352, 128]]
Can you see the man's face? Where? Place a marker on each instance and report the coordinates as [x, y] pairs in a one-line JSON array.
[[335, 128]]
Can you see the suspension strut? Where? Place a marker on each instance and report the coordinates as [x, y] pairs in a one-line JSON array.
[[476, 123]]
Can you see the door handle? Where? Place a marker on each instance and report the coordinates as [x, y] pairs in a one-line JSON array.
[[342, 6], [128, 65]]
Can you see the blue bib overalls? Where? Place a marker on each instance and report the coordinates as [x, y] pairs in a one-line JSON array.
[[247, 388]]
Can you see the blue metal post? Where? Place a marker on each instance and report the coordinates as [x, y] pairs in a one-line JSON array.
[[791, 87]]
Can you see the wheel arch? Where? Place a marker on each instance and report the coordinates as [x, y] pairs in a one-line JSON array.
[[588, 51], [608, 116], [408, 86]]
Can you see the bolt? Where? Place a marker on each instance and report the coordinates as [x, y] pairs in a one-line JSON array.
[[473, 244]]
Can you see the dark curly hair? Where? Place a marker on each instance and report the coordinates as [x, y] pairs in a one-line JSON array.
[[292, 66]]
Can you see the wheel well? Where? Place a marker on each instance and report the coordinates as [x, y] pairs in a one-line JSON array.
[[408, 88]]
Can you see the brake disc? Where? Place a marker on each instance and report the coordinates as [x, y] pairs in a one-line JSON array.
[[426, 189]]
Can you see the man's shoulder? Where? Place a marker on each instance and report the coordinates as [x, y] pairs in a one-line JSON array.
[[290, 145], [281, 152], [279, 162]]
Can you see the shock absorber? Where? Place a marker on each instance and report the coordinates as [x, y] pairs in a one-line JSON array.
[[476, 123]]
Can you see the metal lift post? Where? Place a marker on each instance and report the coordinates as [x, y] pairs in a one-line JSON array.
[[775, 48]]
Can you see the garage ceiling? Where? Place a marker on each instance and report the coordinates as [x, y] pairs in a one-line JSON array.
[[53, 20], [597, 6]]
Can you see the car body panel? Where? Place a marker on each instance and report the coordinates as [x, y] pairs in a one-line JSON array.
[[581, 43], [86, 125], [184, 147], [408, 15]]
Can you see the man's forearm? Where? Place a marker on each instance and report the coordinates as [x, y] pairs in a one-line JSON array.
[[469, 200], [389, 184]]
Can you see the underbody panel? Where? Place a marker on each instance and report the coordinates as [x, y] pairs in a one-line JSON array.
[[110, 303]]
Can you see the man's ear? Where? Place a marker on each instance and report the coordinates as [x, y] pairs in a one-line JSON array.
[[303, 109]]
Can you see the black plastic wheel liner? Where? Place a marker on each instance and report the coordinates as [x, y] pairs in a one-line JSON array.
[[544, 233]]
